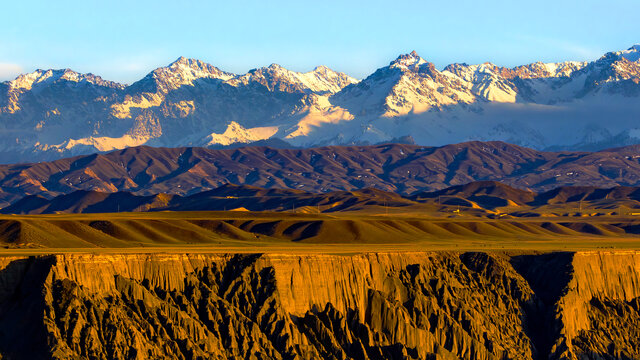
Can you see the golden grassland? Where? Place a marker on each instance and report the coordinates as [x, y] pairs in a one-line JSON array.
[[369, 230]]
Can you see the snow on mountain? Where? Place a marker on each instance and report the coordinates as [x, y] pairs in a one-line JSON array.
[[152, 89], [48, 77], [276, 78], [323, 79], [102, 143], [632, 54], [540, 105], [236, 133], [64, 80], [50, 113], [409, 85], [407, 61], [179, 73], [53, 113], [485, 80]]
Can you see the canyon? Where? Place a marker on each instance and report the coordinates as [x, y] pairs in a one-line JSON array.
[[342, 285], [385, 305]]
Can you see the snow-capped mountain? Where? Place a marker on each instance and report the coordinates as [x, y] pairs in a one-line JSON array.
[[321, 80], [538, 105], [53, 113]]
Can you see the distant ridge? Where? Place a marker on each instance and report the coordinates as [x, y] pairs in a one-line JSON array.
[[400, 168], [484, 195], [225, 197]]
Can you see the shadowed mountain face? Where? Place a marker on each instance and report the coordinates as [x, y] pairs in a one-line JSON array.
[[435, 305], [226, 197], [481, 195], [487, 193], [492, 194], [404, 169]]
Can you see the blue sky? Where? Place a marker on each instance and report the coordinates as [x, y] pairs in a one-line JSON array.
[[124, 40]]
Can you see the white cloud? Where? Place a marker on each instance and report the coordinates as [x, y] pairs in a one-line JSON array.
[[129, 68], [583, 52], [565, 49], [9, 71]]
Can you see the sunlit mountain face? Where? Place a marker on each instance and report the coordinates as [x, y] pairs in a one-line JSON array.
[[50, 114]]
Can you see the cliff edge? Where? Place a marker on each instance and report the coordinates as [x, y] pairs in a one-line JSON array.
[[421, 305]]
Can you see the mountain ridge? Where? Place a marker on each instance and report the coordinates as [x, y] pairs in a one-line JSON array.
[[486, 196], [51, 114], [400, 168]]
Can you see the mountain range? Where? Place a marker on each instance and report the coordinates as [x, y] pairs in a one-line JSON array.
[[399, 168], [224, 198], [50, 114], [487, 196]]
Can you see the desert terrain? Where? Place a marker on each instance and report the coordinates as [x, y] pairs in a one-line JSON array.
[[475, 271], [395, 229], [379, 281]]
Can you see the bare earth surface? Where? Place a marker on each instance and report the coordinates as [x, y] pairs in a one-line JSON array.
[[403, 169], [264, 232], [397, 284]]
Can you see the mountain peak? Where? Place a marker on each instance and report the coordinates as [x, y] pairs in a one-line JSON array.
[[277, 67], [275, 77], [181, 60], [322, 69], [407, 60], [267, 69], [632, 54], [40, 76], [183, 71]]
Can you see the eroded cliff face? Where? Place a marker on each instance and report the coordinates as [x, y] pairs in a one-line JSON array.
[[436, 305], [600, 310]]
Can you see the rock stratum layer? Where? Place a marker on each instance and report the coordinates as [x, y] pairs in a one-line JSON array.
[[439, 305]]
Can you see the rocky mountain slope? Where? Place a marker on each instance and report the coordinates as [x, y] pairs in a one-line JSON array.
[[50, 114], [227, 197], [480, 195], [438, 305], [404, 169], [496, 194]]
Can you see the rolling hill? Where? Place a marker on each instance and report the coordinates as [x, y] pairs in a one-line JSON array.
[[482, 199], [400, 168]]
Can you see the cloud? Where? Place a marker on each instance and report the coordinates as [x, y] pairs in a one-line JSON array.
[[561, 47], [127, 69], [9, 71], [583, 52]]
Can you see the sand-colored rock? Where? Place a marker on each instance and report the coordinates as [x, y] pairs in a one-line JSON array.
[[601, 281], [421, 305]]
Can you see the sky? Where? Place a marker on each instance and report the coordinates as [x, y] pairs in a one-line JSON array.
[[124, 40]]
